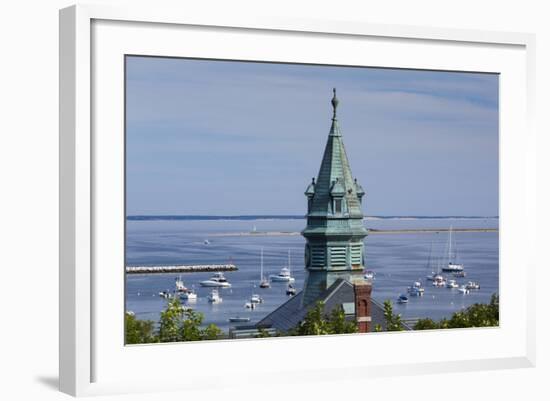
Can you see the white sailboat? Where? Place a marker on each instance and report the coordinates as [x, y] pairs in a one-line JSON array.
[[453, 266], [284, 275], [432, 274], [264, 283]]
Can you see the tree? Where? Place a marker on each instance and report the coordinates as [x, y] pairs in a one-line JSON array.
[[179, 324], [476, 315], [426, 324], [171, 321], [318, 323], [211, 332], [338, 323], [393, 322], [139, 331], [314, 322]]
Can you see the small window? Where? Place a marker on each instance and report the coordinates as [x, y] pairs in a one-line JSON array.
[[338, 206]]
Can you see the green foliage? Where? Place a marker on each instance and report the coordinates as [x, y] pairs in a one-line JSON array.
[[318, 323], [262, 333], [393, 322], [338, 323], [176, 324], [171, 319], [139, 331], [476, 315], [426, 324], [211, 332]]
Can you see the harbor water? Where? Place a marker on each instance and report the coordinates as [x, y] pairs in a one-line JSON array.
[[397, 258]]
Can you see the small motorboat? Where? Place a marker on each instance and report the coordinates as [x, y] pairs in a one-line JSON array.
[[238, 319], [452, 284], [460, 274], [438, 281], [472, 285], [189, 296], [416, 290], [369, 275], [250, 305], [403, 299], [165, 294], [453, 268], [214, 297], [290, 290], [463, 290], [256, 299], [206, 242], [217, 280], [284, 275]]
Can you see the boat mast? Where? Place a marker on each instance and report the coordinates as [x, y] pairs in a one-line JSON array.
[[430, 258], [289, 261], [450, 243], [261, 264]]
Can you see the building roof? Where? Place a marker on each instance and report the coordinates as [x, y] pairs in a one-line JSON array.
[[335, 174], [341, 292]]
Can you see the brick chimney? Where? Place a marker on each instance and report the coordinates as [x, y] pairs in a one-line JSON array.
[[362, 290]]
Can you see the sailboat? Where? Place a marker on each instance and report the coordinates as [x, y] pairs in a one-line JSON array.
[[435, 276], [264, 283], [431, 275], [452, 266], [284, 274]]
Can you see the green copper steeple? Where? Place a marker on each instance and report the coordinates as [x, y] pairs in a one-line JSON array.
[[335, 232]]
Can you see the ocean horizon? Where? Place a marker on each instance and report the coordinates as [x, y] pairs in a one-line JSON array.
[[139, 217]]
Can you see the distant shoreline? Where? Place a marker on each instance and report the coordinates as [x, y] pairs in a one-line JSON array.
[[371, 231], [290, 217]]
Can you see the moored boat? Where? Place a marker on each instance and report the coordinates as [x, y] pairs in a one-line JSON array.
[[369, 275], [217, 280], [180, 287], [402, 299], [416, 290], [453, 266], [472, 285], [438, 281], [214, 297], [239, 319], [256, 299], [284, 275], [264, 283], [189, 296], [452, 284], [290, 290], [463, 290]]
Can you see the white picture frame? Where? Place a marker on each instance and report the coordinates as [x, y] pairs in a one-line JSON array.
[[92, 38]]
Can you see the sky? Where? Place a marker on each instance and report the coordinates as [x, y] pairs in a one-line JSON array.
[[242, 138]]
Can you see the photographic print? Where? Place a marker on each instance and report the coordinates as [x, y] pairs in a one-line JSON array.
[[277, 199]]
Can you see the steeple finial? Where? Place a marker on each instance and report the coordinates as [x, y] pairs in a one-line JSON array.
[[334, 102]]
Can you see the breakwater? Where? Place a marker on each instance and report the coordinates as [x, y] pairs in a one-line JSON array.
[[180, 269]]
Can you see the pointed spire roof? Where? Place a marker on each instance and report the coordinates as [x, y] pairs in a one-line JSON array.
[[310, 190], [335, 177]]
